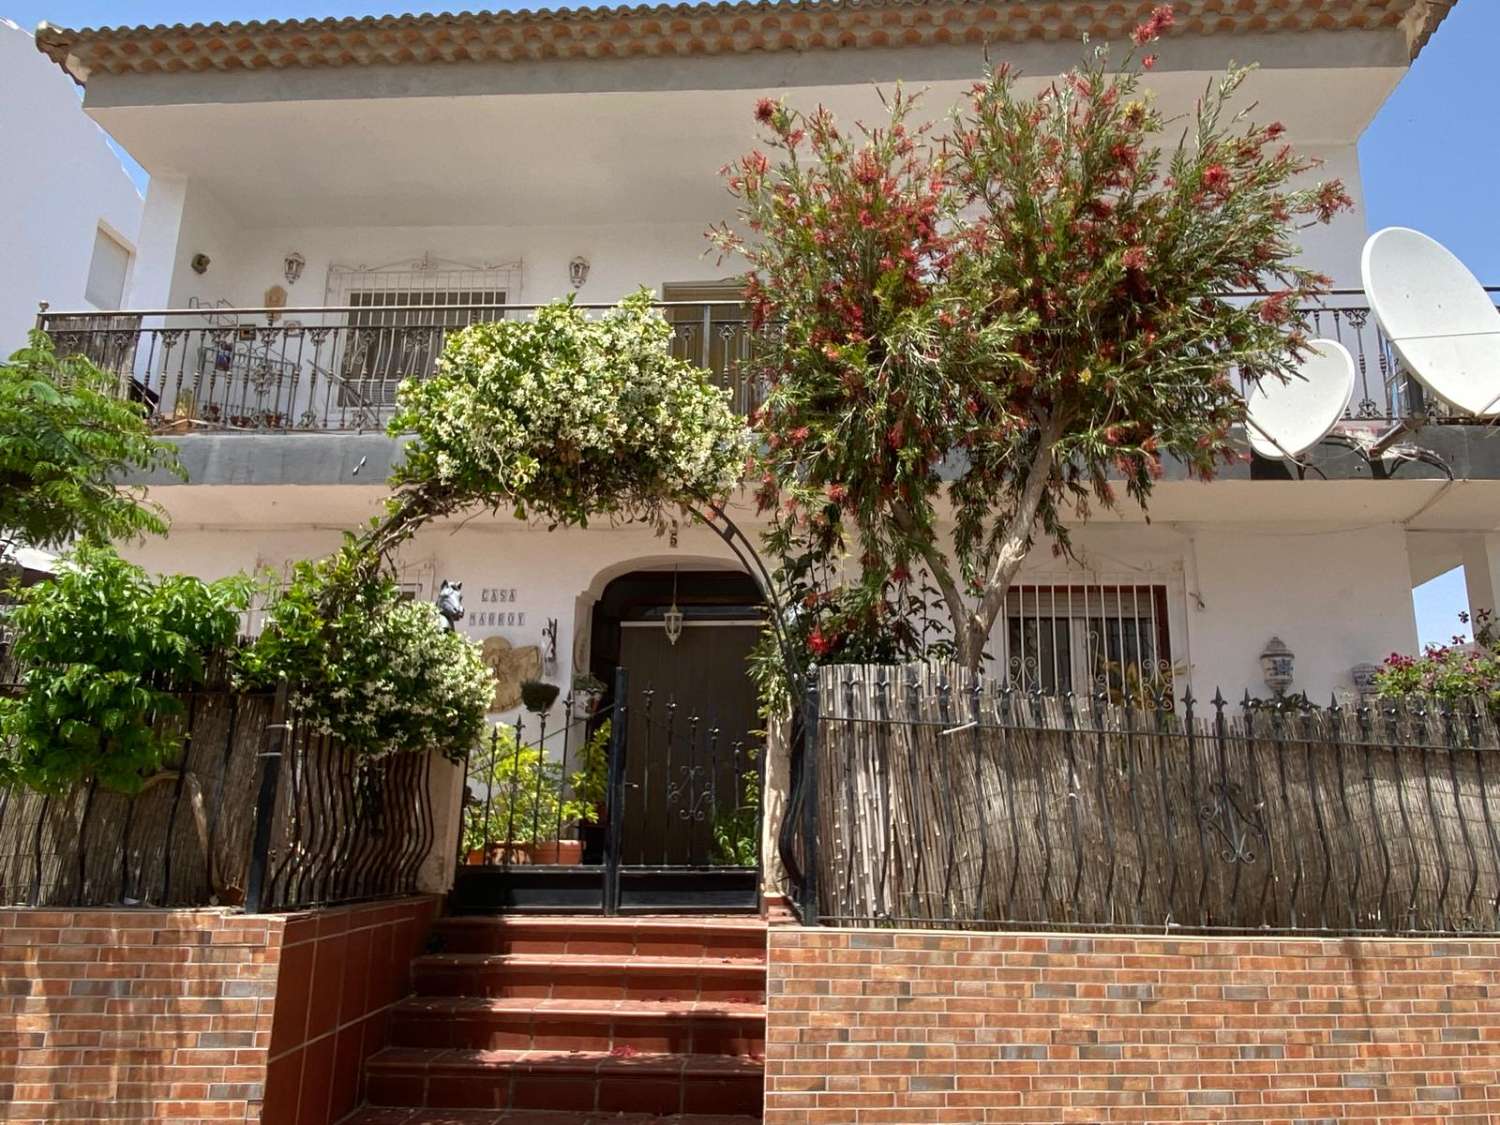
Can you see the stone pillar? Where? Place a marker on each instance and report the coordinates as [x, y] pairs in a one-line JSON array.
[[445, 781], [777, 766]]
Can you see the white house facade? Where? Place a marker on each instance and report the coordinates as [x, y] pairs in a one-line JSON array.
[[328, 197], [69, 212]]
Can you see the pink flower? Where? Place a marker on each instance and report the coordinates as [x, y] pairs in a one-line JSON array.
[[1135, 258], [1149, 62], [1216, 178], [765, 110], [1332, 198], [1273, 310]]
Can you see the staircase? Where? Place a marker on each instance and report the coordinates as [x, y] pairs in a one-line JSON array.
[[591, 1018]]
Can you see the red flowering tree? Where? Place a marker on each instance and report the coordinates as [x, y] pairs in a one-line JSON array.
[[1002, 325]]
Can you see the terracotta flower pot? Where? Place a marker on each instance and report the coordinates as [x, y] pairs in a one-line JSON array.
[[496, 854], [559, 852]]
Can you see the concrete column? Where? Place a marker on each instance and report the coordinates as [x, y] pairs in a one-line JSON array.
[[1481, 554], [156, 256]]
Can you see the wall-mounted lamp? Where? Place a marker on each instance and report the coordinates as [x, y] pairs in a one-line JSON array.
[[292, 266], [578, 271], [1276, 666]]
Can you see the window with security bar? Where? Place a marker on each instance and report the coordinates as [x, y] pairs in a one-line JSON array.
[[396, 334], [1087, 639]]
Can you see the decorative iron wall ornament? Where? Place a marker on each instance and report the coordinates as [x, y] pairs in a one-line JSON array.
[[420, 281], [549, 645]]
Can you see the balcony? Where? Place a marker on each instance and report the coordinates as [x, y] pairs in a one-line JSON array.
[[336, 369], [329, 369]]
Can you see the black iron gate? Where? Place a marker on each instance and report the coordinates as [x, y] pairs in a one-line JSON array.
[[648, 801]]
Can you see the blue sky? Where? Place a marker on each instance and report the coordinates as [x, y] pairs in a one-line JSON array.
[[1431, 158]]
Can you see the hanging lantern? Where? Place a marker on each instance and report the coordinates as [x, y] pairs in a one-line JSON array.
[[672, 619]]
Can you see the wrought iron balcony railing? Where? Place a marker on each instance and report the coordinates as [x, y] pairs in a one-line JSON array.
[[337, 368], [327, 368]]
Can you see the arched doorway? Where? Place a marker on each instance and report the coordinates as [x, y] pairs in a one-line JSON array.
[[681, 827], [692, 765]]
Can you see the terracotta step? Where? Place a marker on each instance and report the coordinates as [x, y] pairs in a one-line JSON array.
[[586, 976], [522, 1023], [578, 1082], [402, 1115], [648, 936]]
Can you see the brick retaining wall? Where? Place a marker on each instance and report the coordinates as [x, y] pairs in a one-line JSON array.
[[151, 1015], [908, 1027]]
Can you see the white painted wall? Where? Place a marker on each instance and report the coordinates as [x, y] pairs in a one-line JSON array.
[[246, 260], [60, 181], [621, 256], [1335, 249], [182, 219], [1337, 598]]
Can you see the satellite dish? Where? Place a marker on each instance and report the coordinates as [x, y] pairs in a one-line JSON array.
[[1284, 420], [1441, 322]]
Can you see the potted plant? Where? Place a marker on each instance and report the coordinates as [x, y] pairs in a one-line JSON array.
[[588, 689], [537, 696], [180, 420], [520, 804]]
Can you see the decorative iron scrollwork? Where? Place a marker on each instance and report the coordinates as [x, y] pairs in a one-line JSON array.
[[1235, 821]]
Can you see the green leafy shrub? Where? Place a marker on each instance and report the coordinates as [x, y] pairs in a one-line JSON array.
[[521, 797], [736, 831], [565, 418], [66, 438], [104, 648], [378, 672], [590, 782]]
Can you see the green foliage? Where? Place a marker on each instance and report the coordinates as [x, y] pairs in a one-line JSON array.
[[375, 670], [521, 796], [565, 418], [736, 831], [591, 780], [65, 440], [1006, 321], [1454, 672], [104, 647]]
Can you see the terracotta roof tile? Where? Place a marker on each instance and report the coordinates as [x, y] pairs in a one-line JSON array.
[[686, 29]]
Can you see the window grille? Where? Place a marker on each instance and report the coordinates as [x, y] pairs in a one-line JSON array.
[[1087, 639], [400, 314]]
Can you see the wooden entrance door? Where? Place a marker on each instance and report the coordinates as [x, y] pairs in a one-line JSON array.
[[690, 751]]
